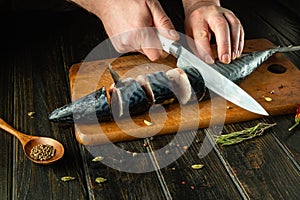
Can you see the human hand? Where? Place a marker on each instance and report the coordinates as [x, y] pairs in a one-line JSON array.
[[129, 24], [204, 18]]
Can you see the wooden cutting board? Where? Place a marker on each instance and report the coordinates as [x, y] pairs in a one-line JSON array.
[[277, 78]]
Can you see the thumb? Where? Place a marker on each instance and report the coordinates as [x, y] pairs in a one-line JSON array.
[[161, 21]]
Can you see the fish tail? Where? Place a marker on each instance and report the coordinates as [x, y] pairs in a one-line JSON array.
[[287, 48]]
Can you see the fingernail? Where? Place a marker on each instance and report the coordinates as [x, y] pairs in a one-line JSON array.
[[209, 60], [173, 33], [233, 55], [226, 58]]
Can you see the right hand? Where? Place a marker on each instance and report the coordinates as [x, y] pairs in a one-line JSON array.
[[125, 23]]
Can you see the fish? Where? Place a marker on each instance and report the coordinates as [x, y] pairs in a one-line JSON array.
[[247, 63], [86, 108], [131, 97]]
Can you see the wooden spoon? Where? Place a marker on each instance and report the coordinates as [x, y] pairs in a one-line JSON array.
[[28, 142]]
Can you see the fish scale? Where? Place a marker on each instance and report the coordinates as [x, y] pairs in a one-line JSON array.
[[86, 106], [247, 63], [161, 86]]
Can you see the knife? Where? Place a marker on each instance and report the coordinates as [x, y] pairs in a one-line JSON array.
[[214, 81]]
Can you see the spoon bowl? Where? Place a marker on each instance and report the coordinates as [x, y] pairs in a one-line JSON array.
[[59, 149], [28, 142]]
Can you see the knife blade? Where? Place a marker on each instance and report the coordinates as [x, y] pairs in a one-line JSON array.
[[214, 81]]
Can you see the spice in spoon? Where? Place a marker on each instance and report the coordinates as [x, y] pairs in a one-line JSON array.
[[42, 152]]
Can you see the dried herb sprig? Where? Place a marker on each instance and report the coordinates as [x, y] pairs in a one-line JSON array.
[[297, 118], [240, 136]]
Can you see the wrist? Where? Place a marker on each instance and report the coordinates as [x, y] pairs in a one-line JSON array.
[[190, 5]]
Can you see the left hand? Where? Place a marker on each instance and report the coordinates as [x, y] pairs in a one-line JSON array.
[[204, 18]]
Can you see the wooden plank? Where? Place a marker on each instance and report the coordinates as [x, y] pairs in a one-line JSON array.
[[254, 162], [288, 140], [282, 27], [120, 184], [6, 141], [184, 150], [277, 23], [257, 85], [128, 169], [37, 83]]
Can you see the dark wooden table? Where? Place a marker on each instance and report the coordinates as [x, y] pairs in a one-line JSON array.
[[37, 50]]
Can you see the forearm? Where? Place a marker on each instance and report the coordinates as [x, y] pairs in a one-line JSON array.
[[92, 6]]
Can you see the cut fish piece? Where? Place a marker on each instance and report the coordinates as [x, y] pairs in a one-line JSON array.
[[197, 83], [128, 98], [180, 85], [157, 86]]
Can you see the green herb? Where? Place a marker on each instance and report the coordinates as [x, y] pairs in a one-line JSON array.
[[246, 134], [67, 178]]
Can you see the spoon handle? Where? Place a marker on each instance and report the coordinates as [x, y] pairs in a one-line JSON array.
[[8, 128]]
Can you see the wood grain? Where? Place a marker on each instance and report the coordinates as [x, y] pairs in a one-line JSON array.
[[281, 87]]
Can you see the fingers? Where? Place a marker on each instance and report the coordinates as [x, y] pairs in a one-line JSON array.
[[201, 44], [150, 45], [163, 25], [221, 29], [236, 35], [226, 27], [229, 36], [139, 33]]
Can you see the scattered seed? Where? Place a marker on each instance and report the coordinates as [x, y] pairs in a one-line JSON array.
[[134, 154], [100, 180], [197, 166], [229, 107], [145, 144], [268, 99], [147, 123], [272, 92], [67, 178], [185, 147], [31, 114], [173, 168], [167, 151], [192, 187], [198, 141], [98, 159], [183, 182]]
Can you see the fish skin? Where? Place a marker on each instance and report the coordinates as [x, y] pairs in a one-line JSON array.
[[161, 87], [88, 108], [241, 67], [237, 70], [128, 98], [196, 81]]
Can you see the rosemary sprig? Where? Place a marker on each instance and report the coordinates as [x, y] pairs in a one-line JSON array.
[[240, 136]]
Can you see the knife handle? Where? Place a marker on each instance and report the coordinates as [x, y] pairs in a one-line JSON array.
[[168, 45]]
